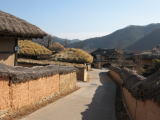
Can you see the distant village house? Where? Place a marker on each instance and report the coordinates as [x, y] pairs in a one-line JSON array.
[[145, 58], [105, 57]]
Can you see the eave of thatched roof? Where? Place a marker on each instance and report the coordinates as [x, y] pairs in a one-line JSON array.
[[11, 26]]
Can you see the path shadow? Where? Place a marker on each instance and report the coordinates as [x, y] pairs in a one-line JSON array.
[[102, 106]]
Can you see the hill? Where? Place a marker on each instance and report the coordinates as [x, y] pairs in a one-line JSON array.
[[50, 39], [119, 39], [148, 42]]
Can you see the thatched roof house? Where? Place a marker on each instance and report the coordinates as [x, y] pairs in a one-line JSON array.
[[104, 57], [11, 30]]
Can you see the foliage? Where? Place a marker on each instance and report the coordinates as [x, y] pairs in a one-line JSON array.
[[155, 68], [30, 48], [73, 55]]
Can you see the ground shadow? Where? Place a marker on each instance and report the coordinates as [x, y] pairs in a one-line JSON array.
[[102, 106]]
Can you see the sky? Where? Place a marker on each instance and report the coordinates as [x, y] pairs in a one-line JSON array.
[[82, 19]]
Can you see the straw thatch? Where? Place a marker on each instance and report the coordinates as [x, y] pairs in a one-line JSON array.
[[22, 74], [30, 48], [56, 47], [73, 55], [11, 26]]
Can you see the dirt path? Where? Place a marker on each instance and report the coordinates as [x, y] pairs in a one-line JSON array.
[[94, 101]]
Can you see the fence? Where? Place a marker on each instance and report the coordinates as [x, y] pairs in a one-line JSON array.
[[141, 95], [22, 87]]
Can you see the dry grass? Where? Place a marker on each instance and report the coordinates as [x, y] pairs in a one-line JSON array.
[[73, 55], [30, 48]]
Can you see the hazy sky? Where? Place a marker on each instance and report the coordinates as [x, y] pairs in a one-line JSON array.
[[84, 18]]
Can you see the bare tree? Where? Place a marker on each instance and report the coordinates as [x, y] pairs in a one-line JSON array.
[[66, 43], [49, 40]]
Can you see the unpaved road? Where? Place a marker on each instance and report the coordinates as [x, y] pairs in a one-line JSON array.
[[94, 101]]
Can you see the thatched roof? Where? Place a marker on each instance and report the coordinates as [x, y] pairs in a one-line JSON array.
[[73, 55], [17, 74], [56, 47], [11, 26], [30, 48]]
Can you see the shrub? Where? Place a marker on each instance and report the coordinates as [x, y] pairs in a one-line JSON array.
[[154, 69], [73, 55]]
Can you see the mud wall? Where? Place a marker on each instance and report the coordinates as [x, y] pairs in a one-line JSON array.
[[139, 108], [17, 95], [82, 74]]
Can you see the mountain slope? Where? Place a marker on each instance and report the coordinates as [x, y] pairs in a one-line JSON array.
[[148, 42], [63, 41], [121, 38], [50, 39]]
